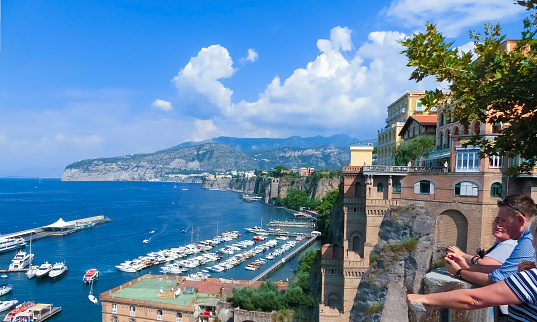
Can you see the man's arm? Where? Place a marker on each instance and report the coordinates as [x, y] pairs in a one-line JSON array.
[[477, 278], [485, 265]]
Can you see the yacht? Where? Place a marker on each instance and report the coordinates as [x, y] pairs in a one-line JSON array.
[[5, 288], [43, 270], [5, 305], [32, 270], [58, 270], [9, 243], [20, 261]]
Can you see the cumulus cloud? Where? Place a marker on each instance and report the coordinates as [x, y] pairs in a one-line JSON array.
[[332, 94], [452, 17], [204, 129], [162, 105], [203, 72], [252, 55]]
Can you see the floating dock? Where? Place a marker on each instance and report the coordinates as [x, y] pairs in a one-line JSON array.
[[285, 259]]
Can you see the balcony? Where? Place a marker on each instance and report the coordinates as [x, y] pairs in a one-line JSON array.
[[132, 313], [114, 310], [400, 169]]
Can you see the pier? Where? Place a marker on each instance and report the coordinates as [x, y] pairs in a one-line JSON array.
[[285, 259], [293, 224]]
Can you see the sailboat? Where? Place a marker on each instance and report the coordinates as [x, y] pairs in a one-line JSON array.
[[32, 270], [92, 297]]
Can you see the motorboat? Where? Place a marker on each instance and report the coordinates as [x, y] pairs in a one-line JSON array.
[[11, 316], [146, 241], [20, 261], [31, 272], [91, 275], [10, 243], [92, 297], [58, 270], [5, 288], [6, 305], [43, 270]]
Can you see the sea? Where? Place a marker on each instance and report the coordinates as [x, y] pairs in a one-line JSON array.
[[168, 214]]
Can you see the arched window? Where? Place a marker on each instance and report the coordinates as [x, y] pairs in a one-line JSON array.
[[466, 188], [477, 128], [496, 190], [396, 187], [380, 187], [424, 187], [456, 131], [356, 244], [357, 190]]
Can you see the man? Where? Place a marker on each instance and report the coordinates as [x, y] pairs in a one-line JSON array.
[[515, 214]]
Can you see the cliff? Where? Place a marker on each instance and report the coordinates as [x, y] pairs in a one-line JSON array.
[[398, 264]]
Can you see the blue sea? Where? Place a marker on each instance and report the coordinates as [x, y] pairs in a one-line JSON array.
[[136, 208]]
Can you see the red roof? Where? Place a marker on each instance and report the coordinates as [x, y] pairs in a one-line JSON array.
[[425, 119]]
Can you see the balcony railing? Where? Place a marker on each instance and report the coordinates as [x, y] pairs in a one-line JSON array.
[[114, 310], [389, 168], [132, 313]]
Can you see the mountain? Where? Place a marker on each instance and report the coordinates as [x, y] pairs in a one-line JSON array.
[[211, 156], [265, 144]]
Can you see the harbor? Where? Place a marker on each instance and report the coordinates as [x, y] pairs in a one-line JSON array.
[[156, 212]]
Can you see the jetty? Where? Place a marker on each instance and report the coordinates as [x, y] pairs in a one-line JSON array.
[[285, 259], [293, 224]]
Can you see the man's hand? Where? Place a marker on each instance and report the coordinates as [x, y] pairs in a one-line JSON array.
[[455, 250], [454, 263]]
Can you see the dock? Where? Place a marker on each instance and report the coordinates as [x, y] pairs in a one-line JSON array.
[[293, 224], [285, 259]]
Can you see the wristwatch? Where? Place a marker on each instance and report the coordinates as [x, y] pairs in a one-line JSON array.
[[458, 274]]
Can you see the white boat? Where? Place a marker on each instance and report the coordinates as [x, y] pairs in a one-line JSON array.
[[58, 270], [92, 297], [20, 261], [9, 243], [90, 276], [32, 270], [43, 270], [5, 288], [5, 305], [145, 241]]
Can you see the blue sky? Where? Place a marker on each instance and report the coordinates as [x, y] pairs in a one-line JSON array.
[[83, 79]]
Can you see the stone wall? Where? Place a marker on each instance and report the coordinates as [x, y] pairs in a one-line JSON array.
[[251, 316]]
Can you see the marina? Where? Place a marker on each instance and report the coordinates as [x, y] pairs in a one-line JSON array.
[[140, 210], [295, 224]]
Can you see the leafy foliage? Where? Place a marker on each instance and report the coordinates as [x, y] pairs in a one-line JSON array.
[[497, 87], [414, 149]]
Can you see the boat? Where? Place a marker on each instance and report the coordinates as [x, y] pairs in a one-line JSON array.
[[10, 317], [92, 297], [58, 270], [20, 261], [259, 238], [43, 270], [31, 272], [5, 288], [145, 241], [90, 276], [10, 243], [6, 305]]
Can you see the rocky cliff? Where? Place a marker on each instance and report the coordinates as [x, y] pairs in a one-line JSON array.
[[398, 264]]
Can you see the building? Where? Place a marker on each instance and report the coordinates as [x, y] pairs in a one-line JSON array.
[[457, 188], [398, 113], [175, 299]]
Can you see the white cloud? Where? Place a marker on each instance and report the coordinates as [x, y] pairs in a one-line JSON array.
[[332, 94], [203, 72], [252, 55], [162, 105], [454, 16], [204, 129]]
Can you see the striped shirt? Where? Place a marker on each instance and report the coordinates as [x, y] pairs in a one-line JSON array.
[[524, 285], [523, 252]]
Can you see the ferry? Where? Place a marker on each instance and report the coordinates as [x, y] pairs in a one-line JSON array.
[[20, 261], [90, 276], [35, 313], [10, 243], [10, 317]]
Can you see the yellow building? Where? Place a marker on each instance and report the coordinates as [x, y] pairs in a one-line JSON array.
[[398, 112]]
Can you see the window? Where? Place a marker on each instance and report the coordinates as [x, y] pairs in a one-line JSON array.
[[114, 308], [396, 188], [114, 319], [495, 161], [467, 160], [466, 188], [159, 315], [496, 190], [419, 107], [380, 187], [179, 317], [496, 127], [132, 311], [424, 187], [357, 190]]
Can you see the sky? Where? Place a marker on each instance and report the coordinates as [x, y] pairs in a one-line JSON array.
[[86, 79]]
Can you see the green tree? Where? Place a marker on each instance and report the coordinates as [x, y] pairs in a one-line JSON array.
[[497, 87], [296, 199], [414, 149]]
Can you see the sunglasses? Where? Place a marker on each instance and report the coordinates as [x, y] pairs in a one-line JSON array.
[[504, 203]]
